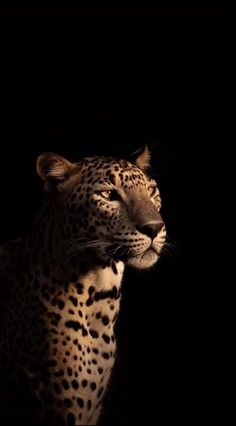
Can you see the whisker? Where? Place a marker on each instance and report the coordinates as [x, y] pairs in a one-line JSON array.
[[167, 254]]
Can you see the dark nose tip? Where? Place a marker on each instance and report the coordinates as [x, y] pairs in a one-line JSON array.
[[151, 230]]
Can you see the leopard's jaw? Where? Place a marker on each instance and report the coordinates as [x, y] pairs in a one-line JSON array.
[[144, 260]]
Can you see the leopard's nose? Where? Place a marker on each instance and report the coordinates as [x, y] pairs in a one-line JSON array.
[[151, 229]]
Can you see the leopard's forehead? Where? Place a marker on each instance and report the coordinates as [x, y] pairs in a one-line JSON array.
[[109, 169]]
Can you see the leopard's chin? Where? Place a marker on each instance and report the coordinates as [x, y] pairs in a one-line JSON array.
[[143, 260]]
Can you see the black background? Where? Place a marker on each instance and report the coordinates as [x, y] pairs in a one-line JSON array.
[[105, 80]]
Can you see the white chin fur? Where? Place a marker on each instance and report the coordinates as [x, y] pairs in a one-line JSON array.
[[144, 260]]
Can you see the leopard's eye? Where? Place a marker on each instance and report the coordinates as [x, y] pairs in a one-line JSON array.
[[152, 191], [106, 194], [110, 195]]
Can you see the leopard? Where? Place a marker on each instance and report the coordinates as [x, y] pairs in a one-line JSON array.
[[61, 282]]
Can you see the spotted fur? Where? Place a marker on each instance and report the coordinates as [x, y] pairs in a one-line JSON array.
[[60, 286]]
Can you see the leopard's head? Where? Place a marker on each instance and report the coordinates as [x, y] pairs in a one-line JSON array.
[[108, 205]]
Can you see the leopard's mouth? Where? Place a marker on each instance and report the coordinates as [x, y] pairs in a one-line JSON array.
[[143, 259]]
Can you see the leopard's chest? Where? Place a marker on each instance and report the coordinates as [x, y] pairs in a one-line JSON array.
[[81, 341], [66, 345]]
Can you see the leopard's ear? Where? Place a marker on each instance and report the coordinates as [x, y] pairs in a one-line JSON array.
[[143, 159], [53, 169]]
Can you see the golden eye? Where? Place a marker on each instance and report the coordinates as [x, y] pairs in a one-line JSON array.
[[110, 195], [106, 194], [152, 191]]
